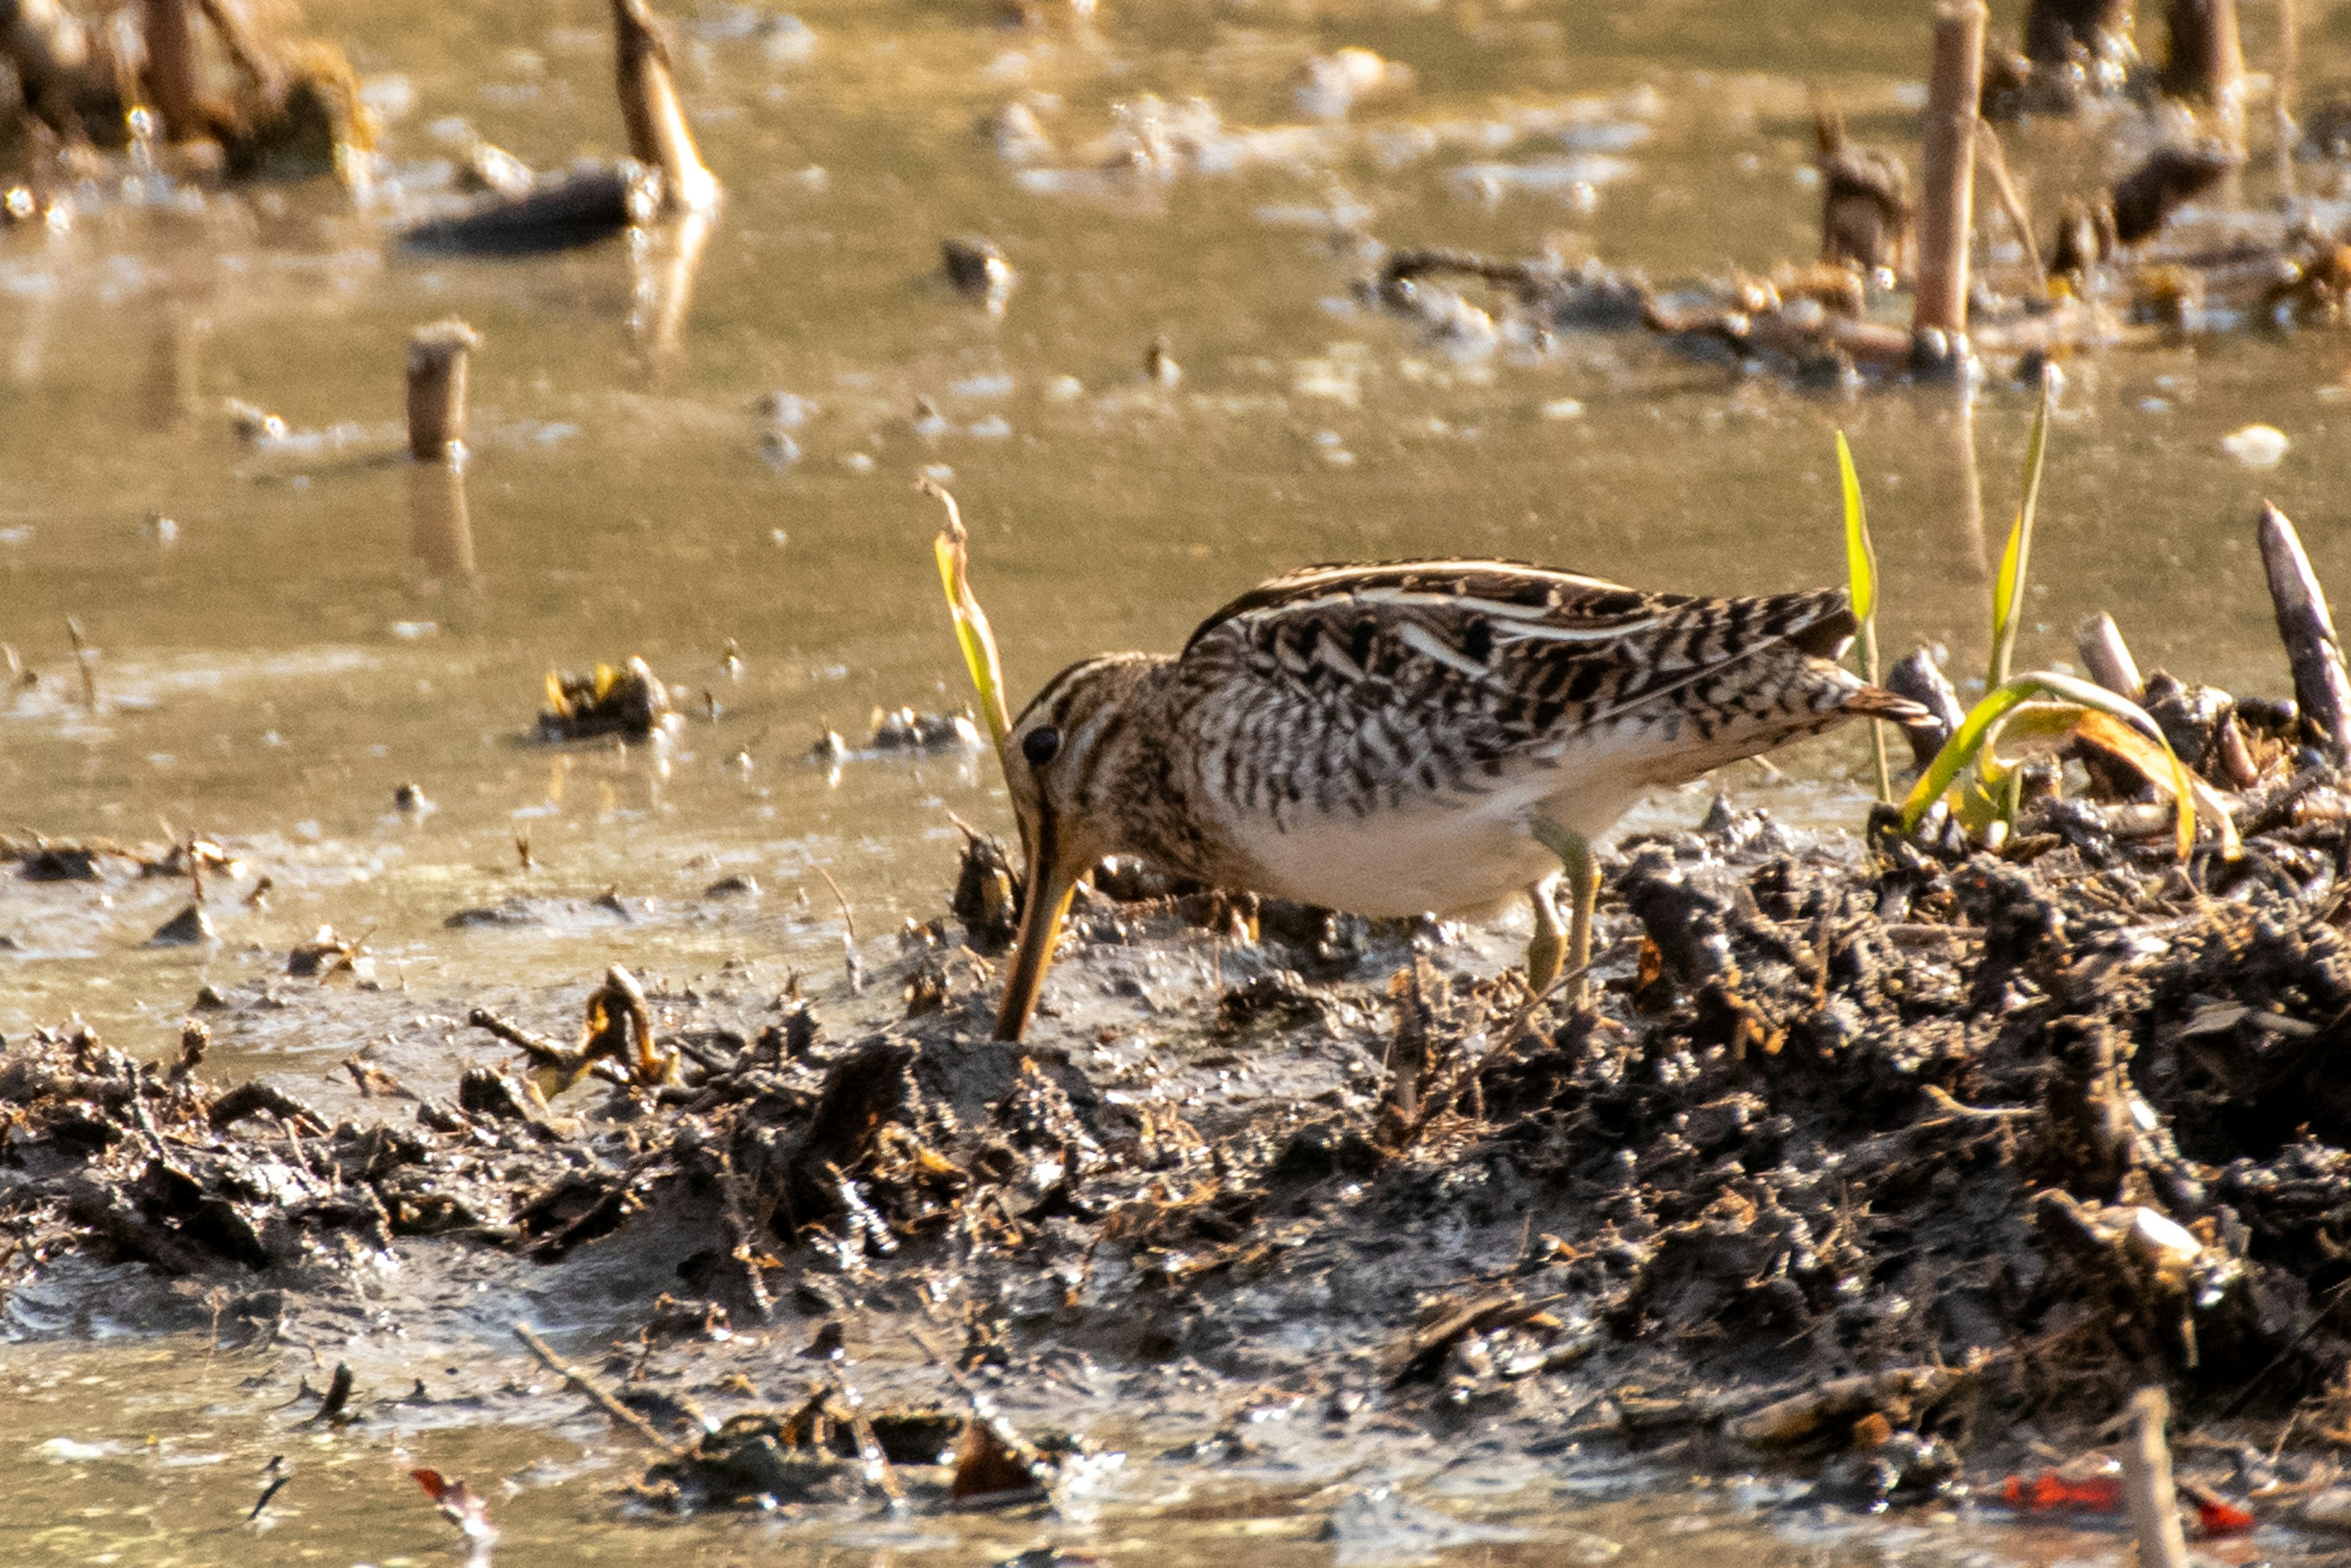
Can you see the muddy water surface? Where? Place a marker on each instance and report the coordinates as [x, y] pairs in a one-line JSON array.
[[688, 443]]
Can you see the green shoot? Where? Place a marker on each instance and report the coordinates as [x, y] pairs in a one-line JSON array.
[[2015, 560], [2077, 711], [972, 631], [1861, 570]]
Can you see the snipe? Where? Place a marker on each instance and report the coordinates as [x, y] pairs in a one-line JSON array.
[[1411, 736]]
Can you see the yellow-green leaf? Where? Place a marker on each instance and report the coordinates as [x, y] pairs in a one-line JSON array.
[[1861, 572], [972, 631], [1860, 555], [2016, 557], [1985, 720]]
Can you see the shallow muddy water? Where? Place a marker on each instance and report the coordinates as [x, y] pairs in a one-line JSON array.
[[286, 632]]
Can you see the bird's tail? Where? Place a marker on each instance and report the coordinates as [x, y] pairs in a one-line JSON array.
[[1876, 702]]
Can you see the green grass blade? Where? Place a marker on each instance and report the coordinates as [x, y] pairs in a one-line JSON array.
[[2016, 558], [1860, 555], [1861, 572]]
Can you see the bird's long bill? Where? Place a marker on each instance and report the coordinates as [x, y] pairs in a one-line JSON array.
[[1051, 884]]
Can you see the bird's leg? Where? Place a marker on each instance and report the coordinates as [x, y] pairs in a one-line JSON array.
[[1575, 852], [1549, 944]]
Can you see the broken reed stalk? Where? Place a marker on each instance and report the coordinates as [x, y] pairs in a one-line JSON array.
[[658, 135], [2108, 657], [169, 34], [2289, 63], [81, 657], [437, 389], [2307, 627], [1947, 171], [2147, 1484], [2208, 61], [1995, 167], [595, 1391]]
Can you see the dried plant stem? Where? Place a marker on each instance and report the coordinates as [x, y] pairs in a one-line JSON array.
[[2281, 95], [596, 1392], [1995, 168], [658, 134], [170, 35], [83, 658], [1954, 89], [2208, 61], [847, 916], [2147, 1484], [437, 389], [2307, 627], [2108, 657]]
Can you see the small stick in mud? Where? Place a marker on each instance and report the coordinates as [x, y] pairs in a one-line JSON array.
[[437, 389], [2307, 627], [2108, 657], [596, 1392], [81, 657], [847, 916], [658, 135], [2147, 1484], [1947, 173]]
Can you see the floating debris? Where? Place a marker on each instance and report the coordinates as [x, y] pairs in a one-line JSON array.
[[977, 269], [2256, 445], [185, 929], [626, 701]]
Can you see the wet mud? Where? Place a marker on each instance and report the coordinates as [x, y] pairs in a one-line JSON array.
[[1888, 1171]]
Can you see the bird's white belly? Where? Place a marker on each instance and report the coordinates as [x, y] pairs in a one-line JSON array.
[[1443, 859]]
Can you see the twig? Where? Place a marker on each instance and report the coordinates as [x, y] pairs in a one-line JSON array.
[[1995, 168], [81, 657], [595, 1392], [847, 916], [2147, 1484], [1946, 174], [2307, 629]]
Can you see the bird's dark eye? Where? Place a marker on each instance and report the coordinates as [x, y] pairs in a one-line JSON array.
[[1041, 745]]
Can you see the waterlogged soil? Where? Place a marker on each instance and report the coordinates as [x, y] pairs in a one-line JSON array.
[[1308, 1243], [1859, 1189]]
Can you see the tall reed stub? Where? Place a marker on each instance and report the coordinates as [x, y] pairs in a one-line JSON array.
[[658, 135], [2208, 61], [1947, 176], [437, 389], [2307, 627]]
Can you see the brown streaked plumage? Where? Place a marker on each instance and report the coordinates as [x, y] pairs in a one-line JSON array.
[[1410, 736]]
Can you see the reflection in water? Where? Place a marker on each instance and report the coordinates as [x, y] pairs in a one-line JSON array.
[[440, 529], [168, 393], [1958, 421], [665, 260]]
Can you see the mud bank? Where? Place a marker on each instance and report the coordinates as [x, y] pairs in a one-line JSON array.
[[1890, 1169]]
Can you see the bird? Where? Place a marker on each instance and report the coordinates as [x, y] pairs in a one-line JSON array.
[[1405, 738]]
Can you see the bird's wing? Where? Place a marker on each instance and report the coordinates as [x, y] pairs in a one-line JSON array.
[[1496, 653]]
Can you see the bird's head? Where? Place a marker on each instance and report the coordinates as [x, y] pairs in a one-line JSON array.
[[1059, 764]]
